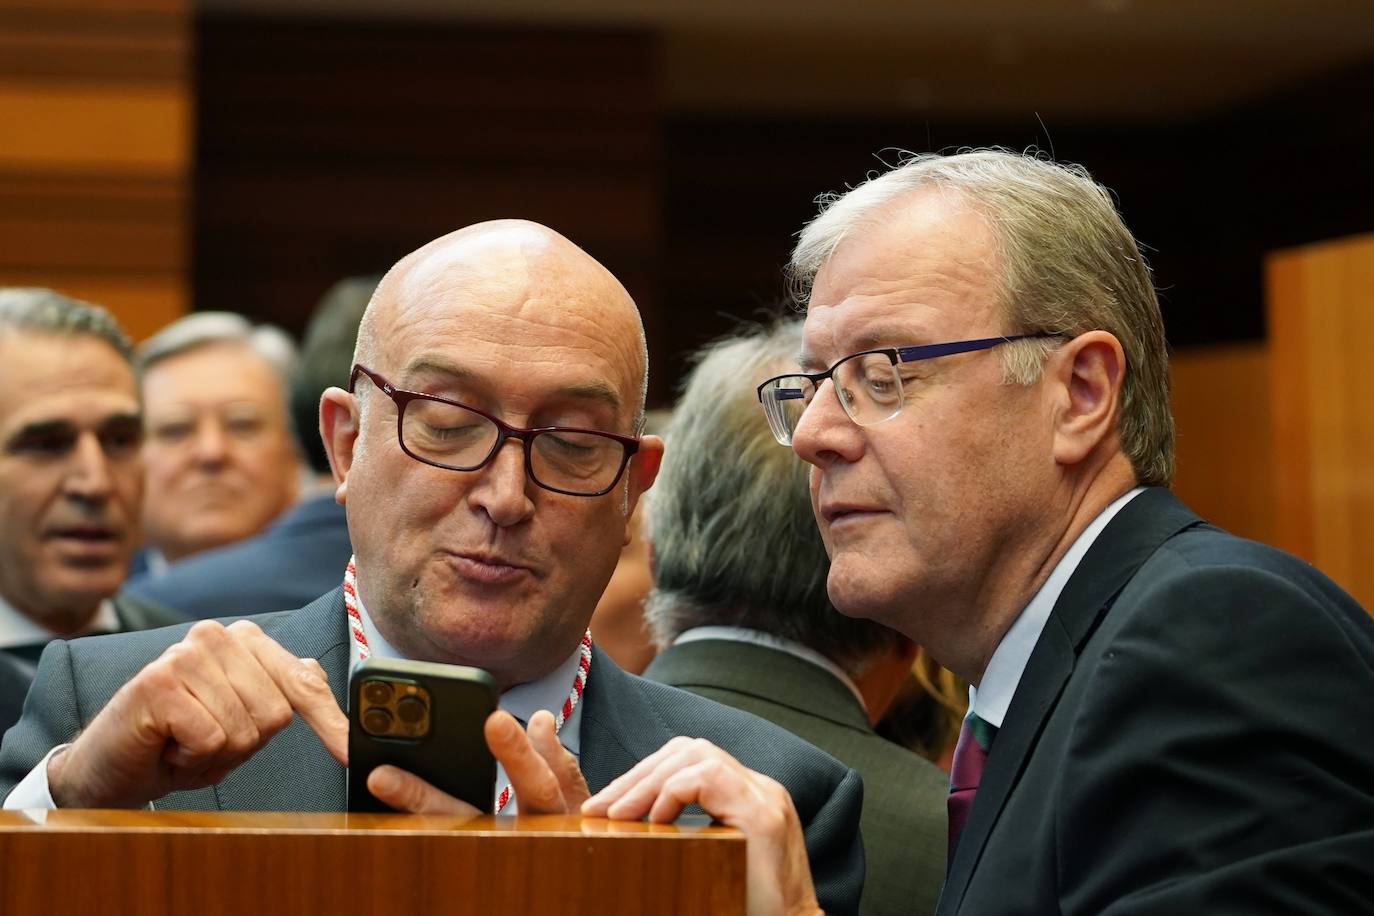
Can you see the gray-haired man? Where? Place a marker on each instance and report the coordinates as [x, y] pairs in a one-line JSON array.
[[70, 479], [740, 609]]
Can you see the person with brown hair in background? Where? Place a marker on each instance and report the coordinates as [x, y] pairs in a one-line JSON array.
[[740, 614]]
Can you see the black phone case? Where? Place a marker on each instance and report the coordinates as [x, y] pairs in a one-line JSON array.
[[453, 756]]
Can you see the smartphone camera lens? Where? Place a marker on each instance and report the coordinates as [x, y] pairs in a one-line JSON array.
[[377, 721], [411, 710], [377, 693]]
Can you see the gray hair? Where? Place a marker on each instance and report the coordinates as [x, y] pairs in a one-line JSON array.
[[1070, 266], [202, 329], [49, 312], [734, 539]]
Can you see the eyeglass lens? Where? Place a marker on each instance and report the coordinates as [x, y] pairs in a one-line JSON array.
[[867, 385], [457, 438]]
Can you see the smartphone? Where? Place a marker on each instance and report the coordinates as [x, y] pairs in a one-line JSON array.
[[425, 718]]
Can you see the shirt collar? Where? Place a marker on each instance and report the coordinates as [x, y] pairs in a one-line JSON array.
[[522, 700], [769, 640], [17, 629], [991, 699]]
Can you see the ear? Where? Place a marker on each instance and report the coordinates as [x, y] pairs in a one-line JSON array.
[[339, 425], [1088, 372], [642, 471]]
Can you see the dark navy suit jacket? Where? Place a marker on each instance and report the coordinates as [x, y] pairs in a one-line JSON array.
[[1192, 734], [300, 557]]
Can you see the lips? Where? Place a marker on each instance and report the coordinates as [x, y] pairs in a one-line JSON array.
[[89, 533], [833, 512], [487, 568]]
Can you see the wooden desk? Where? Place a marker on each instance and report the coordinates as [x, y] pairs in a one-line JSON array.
[[92, 863]]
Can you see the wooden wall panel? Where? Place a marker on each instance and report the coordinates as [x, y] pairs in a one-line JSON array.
[[1222, 414], [95, 152], [1321, 323], [333, 148]]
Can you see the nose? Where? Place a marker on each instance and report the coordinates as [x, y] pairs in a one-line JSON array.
[[211, 446], [89, 478], [501, 488], [825, 433]]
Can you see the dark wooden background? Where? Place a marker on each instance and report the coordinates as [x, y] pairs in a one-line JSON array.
[[328, 149]]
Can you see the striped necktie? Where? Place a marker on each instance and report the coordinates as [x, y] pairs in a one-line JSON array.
[[970, 756]]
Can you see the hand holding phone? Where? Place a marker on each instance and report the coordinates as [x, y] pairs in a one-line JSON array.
[[424, 718]]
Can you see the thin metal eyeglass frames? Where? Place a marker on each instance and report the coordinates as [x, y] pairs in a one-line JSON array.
[[867, 384], [454, 436]]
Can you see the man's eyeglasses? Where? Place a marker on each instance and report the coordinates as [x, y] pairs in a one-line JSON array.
[[454, 436], [868, 384]]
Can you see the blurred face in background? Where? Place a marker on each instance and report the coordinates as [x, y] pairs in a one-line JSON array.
[[70, 475], [221, 460]]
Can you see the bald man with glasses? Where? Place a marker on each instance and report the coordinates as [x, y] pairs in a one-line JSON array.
[[488, 456]]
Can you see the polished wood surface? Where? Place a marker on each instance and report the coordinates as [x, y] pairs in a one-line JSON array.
[[95, 152], [1225, 467], [169, 862], [1321, 322]]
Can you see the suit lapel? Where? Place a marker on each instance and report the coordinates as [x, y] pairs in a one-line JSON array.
[[1136, 532], [619, 727], [295, 772]]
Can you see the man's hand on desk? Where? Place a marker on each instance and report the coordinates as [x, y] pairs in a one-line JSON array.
[[690, 770], [189, 718], [543, 775]]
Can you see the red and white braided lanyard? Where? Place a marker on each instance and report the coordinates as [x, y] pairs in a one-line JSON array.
[[361, 651]]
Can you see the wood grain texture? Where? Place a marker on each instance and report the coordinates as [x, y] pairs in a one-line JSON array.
[[1225, 469], [1321, 321], [95, 153], [155, 863]]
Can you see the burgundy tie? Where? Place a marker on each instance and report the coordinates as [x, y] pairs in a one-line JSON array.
[[970, 755]]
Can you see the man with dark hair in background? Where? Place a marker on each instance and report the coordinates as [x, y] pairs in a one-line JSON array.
[[299, 556], [740, 613], [70, 480]]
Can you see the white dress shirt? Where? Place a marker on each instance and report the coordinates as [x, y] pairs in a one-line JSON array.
[[17, 629], [521, 701], [990, 699]]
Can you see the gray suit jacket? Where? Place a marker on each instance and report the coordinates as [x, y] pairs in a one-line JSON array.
[[624, 719], [904, 820], [18, 663]]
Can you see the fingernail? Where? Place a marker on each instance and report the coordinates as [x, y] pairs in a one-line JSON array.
[[383, 780], [506, 727]]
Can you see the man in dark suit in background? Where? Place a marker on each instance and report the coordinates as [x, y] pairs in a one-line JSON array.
[[70, 480], [1167, 718], [754, 629], [487, 452], [299, 556]]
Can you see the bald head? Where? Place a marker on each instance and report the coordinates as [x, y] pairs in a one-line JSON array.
[[494, 565], [512, 269]]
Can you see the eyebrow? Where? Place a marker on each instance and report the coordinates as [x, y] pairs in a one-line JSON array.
[[871, 339], [54, 427], [593, 390]]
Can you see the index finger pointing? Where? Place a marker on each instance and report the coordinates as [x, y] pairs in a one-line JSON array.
[[305, 685]]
